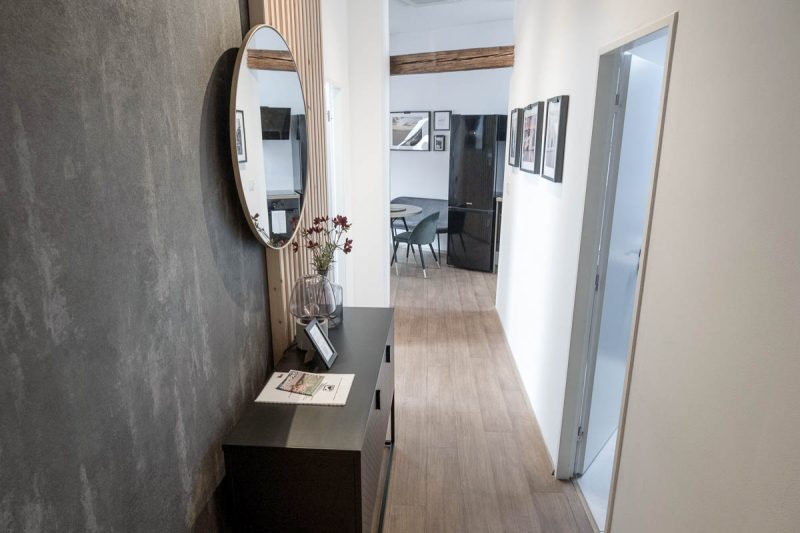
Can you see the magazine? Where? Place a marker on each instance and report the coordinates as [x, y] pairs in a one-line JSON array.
[[301, 383], [334, 390]]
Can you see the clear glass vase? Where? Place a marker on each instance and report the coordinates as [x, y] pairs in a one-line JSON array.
[[335, 318], [312, 297]]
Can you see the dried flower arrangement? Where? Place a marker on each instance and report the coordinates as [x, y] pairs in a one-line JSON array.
[[324, 237]]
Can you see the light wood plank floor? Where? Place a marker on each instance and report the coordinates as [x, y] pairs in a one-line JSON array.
[[469, 455]]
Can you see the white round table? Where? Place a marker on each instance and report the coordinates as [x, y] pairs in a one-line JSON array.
[[403, 210]]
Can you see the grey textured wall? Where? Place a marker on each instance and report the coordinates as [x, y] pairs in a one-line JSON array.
[[133, 312]]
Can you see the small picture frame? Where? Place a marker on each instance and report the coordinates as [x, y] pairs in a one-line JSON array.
[[531, 136], [439, 143], [322, 344], [441, 120], [514, 136], [411, 131], [241, 139], [555, 134]]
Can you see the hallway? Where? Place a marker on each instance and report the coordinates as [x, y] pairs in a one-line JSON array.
[[469, 454]]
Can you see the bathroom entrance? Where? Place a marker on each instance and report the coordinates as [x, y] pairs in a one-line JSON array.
[[628, 116]]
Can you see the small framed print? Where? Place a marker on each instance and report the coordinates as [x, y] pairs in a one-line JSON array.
[[441, 120], [514, 136], [321, 343], [531, 133], [241, 140], [555, 134], [439, 143], [411, 130]]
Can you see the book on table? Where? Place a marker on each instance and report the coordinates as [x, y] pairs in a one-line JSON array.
[[296, 387]]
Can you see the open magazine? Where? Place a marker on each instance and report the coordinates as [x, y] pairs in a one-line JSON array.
[[332, 389], [301, 382]]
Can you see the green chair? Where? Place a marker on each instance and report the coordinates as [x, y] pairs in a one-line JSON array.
[[423, 234]]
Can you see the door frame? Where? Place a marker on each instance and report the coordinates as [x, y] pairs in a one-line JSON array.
[[587, 265]]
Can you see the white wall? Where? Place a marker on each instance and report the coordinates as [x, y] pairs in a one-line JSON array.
[[712, 429], [279, 89], [356, 59], [426, 174], [252, 171], [337, 74]]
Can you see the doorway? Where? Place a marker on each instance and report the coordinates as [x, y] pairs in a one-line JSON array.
[[631, 95]]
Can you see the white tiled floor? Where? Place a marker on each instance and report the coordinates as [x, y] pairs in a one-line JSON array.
[[595, 484]]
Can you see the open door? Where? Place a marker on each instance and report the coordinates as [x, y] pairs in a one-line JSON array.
[[628, 117]]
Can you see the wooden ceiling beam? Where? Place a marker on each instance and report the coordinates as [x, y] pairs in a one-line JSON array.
[[270, 60], [452, 60]]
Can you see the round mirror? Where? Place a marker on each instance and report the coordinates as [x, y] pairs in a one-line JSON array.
[[268, 136]]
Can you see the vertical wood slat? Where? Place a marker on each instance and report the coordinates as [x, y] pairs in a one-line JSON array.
[[299, 23]]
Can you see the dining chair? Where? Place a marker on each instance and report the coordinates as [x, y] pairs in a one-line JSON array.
[[422, 235]]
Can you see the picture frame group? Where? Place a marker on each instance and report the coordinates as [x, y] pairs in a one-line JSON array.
[[537, 134], [411, 130]]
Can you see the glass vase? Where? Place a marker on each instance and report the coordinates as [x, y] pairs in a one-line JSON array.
[[312, 297], [336, 317]]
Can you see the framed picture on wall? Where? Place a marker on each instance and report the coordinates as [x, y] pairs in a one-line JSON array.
[[411, 130], [438, 143], [241, 141], [555, 133], [530, 158], [441, 120], [514, 136]]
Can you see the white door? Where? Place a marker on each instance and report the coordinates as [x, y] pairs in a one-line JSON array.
[[624, 216]]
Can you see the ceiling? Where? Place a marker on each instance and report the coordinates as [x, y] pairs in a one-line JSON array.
[[433, 14]]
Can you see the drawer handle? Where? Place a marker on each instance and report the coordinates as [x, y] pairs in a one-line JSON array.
[[388, 354], [378, 399]]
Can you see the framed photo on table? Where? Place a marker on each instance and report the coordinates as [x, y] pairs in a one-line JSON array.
[[514, 136], [411, 130], [322, 344], [530, 158], [555, 134], [441, 120]]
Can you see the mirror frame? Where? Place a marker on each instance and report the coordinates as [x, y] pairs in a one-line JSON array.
[[232, 134]]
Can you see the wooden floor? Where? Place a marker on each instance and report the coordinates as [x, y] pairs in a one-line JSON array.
[[469, 455]]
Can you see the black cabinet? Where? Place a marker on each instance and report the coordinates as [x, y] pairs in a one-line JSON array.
[[320, 468]]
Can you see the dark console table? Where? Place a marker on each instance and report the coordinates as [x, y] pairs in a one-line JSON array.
[[321, 468]]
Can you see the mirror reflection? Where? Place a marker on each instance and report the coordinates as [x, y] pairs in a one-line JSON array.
[[269, 140]]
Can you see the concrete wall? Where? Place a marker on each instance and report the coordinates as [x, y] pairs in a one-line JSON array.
[[133, 306], [710, 439]]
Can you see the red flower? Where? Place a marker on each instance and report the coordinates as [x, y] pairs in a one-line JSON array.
[[348, 246], [295, 246], [341, 221]]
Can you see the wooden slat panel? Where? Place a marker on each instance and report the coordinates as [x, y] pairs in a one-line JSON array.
[[299, 23], [452, 60], [270, 60]]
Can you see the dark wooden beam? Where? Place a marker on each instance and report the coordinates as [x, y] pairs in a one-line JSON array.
[[452, 60], [270, 60]]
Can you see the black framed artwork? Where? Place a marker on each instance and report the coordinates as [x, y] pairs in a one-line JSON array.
[[441, 120], [439, 143], [411, 130], [514, 136], [241, 140], [555, 134], [530, 157], [322, 344]]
